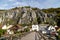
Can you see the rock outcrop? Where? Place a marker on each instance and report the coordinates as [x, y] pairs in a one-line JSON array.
[[23, 15]]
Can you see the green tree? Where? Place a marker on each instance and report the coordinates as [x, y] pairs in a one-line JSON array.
[[58, 19], [2, 32], [26, 29]]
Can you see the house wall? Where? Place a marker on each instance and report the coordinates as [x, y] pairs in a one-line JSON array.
[[35, 27]]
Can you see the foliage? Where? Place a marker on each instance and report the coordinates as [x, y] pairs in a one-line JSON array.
[[11, 21], [50, 10], [27, 6], [58, 14], [34, 8], [59, 35], [23, 25], [39, 20], [58, 19], [2, 32], [26, 29], [58, 22]]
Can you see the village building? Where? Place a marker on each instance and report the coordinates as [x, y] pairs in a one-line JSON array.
[[35, 27], [51, 28], [11, 29]]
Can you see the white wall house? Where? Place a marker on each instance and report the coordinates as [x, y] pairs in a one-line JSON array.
[[10, 32], [51, 28], [35, 27], [5, 27]]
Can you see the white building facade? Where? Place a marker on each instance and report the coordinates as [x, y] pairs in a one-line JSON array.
[[35, 27]]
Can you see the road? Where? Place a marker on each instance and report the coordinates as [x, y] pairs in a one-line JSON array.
[[30, 36], [33, 36], [36, 36]]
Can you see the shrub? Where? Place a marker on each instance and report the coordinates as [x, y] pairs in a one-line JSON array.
[[2, 32], [59, 35], [26, 29]]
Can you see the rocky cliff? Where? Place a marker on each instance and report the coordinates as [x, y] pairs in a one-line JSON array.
[[24, 15]]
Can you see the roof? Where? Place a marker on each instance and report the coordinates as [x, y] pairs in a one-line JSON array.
[[7, 27], [15, 27]]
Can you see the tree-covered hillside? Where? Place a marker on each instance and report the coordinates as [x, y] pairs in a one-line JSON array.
[[54, 10]]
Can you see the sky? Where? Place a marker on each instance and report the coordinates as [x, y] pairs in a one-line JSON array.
[[7, 4]]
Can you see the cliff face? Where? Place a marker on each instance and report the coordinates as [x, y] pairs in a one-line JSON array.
[[24, 15]]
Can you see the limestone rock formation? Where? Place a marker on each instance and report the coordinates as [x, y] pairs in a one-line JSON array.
[[23, 15]]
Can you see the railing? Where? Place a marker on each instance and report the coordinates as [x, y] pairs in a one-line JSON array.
[[45, 37], [41, 36]]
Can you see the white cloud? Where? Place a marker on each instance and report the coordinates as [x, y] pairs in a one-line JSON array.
[[17, 3], [33, 3], [49, 3], [20, 4], [3, 6]]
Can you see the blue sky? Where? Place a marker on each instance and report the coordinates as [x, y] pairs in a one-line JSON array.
[[7, 4]]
